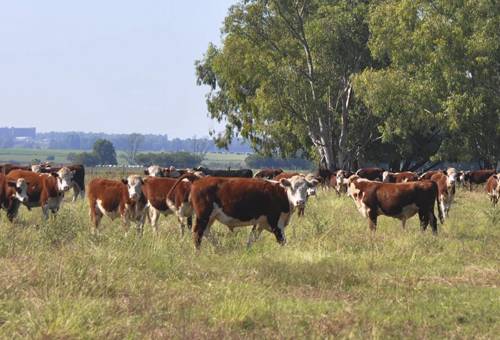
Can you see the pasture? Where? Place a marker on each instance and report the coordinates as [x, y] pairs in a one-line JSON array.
[[333, 278]]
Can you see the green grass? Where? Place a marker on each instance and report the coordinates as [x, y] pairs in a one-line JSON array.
[[333, 278]]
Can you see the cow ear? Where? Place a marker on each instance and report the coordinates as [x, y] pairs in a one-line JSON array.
[[11, 184], [54, 174], [285, 182], [124, 181]]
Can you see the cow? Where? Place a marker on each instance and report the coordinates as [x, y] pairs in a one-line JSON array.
[[428, 174], [446, 193], [493, 188], [154, 171], [399, 177], [238, 202], [324, 175], [397, 200], [243, 173], [372, 174], [477, 176], [77, 179], [44, 190], [114, 198], [341, 180], [286, 175], [12, 193], [268, 173]]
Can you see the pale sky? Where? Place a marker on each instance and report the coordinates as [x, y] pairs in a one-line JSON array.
[[116, 66]]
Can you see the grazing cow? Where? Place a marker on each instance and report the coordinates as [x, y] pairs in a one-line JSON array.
[[117, 198], [372, 174], [44, 190], [397, 200], [399, 177], [428, 174], [244, 173], [77, 179], [12, 193], [238, 202], [268, 173], [493, 188], [446, 193], [477, 177]]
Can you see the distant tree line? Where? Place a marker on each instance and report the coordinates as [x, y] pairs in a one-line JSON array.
[[177, 159]]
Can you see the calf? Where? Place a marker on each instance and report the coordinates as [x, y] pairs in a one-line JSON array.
[[372, 174], [44, 190], [117, 198], [397, 200], [477, 177], [268, 173], [493, 188], [12, 193], [399, 177], [238, 202], [446, 193]]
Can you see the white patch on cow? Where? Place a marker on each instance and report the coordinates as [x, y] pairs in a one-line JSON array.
[[219, 214], [134, 186], [296, 189], [64, 179], [21, 190]]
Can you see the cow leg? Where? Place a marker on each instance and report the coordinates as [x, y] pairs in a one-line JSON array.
[[198, 230], [95, 216], [372, 221], [12, 209], [45, 210], [254, 235], [153, 216], [433, 221], [277, 227], [182, 225], [424, 219], [76, 192], [403, 223]]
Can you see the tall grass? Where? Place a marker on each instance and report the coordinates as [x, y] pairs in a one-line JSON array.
[[333, 278]]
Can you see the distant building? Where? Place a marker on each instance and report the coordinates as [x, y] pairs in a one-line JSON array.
[[21, 133]]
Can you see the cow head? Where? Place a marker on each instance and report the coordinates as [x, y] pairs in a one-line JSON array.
[[452, 175], [385, 176], [21, 189], [64, 178], [134, 186], [37, 168], [297, 189], [155, 171]]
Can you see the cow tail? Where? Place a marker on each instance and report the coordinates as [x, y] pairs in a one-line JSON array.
[[190, 177]]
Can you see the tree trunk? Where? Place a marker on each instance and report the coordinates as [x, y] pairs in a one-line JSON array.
[[344, 126]]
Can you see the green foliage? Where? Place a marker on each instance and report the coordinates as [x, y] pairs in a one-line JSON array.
[[333, 279], [85, 158], [256, 161], [105, 152], [177, 159]]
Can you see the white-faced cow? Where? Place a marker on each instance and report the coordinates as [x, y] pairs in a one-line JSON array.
[[397, 200], [12, 193], [44, 190], [238, 202], [77, 182], [117, 199], [493, 188]]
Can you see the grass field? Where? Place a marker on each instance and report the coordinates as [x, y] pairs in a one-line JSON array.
[[332, 279]]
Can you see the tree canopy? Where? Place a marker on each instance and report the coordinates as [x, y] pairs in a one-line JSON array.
[[348, 82]]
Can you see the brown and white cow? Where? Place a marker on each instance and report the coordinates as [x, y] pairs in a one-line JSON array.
[[397, 200], [372, 174], [446, 193], [44, 190], [268, 173], [12, 193], [477, 177], [399, 177], [493, 188], [238, 202], [114, 199], [342, 180], [77, 178]]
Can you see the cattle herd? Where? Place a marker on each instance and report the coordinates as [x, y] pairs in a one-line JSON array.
[[236, 197]]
